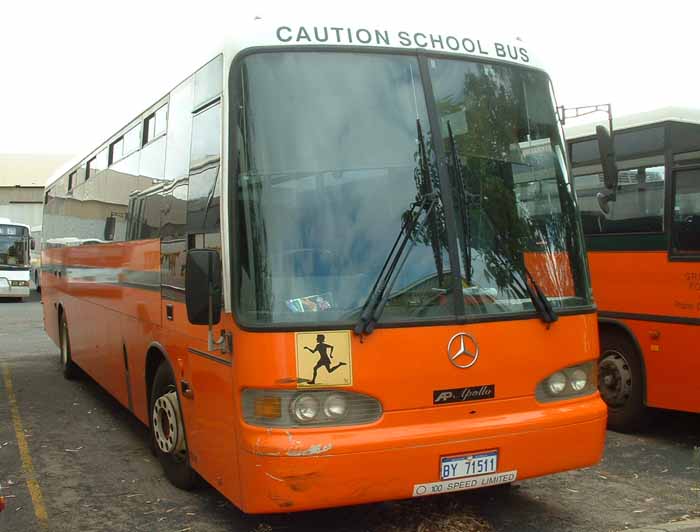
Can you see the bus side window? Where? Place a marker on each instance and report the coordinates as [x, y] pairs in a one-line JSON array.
[[204, 180], [685, 222], [639, 207]]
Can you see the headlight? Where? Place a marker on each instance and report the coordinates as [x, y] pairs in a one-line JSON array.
[[578, 380], [556, 383], [292, 408], [335, 406], [574, 381], [305, 408]]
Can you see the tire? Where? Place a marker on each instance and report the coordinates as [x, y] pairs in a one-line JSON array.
[[621, 382], [69, 369], [167, 430]]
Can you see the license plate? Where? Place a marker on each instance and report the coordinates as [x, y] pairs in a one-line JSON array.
[[469, 465]]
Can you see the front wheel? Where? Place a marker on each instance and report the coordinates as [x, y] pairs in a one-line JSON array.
[[621, 382], [168, 430]]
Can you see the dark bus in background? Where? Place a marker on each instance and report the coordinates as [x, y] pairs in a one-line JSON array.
[[644, 255]]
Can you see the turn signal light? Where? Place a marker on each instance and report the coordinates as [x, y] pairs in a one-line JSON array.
[[268, 406]]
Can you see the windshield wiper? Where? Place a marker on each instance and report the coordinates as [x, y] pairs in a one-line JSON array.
[[381, 291], [463, 204], [527, 283], [539, 300], [425, 201]]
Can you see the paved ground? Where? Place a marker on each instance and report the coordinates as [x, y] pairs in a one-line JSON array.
[[94, 471]]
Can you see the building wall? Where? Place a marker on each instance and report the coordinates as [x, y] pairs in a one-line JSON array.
[[22, 204], [22, 180]]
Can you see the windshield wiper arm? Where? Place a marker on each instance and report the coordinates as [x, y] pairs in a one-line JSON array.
[[463, 204], [539, 300], [425, 201], [381, 291]]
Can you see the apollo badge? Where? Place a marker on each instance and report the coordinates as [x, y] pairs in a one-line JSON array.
[[324, 359]]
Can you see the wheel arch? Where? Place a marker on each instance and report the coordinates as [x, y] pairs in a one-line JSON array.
[[155, 356], [607, 325]]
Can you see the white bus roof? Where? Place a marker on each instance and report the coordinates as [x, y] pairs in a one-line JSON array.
[[7, 221], [460, 39], [655, 116], [406, 32]]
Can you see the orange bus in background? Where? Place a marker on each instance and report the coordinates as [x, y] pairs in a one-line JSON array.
[[336, 266], [644, 255]]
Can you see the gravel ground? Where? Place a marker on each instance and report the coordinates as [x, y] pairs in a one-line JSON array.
[[95, 472]]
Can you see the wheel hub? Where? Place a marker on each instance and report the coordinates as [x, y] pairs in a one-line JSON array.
[[615, 380], [167, 424]]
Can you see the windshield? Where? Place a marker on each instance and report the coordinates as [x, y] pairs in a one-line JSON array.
[[329, 166], [14, 246], [513, 198]]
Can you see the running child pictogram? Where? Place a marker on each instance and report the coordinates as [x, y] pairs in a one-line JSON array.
[[324, 359]]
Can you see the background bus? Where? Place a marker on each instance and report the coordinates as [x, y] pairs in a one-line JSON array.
[[220, 263], [645, 261], [15, 246], [36, 245]]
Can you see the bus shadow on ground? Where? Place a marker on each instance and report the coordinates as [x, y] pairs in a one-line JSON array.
[[503, 508], [673, 427]]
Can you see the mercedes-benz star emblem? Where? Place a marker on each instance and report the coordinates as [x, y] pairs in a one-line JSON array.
[[463, 350]]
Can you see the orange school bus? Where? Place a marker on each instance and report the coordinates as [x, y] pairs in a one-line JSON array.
[[336, 266], [644, 254]]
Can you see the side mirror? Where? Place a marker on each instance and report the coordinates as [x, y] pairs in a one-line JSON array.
[[606, 148], [32, 244], [607, 157], [203, 287], [110, 225]]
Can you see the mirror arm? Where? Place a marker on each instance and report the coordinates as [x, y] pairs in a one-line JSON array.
[[225, 341]]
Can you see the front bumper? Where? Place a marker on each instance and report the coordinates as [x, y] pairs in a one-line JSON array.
[[284, 471], [14, 291]]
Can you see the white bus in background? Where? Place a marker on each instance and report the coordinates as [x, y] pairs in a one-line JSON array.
[[35, 257], [15, 262]]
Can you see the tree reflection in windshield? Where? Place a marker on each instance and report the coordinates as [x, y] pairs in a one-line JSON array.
[[509, 179]]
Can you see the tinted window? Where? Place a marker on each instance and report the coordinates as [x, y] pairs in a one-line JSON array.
[[207, 81], [71, 180], [156, 124], [684, 137], [204, 186], [132, 140], [90, 169], [639, 207], [584, 151], [685, 226], [101, 160], [627, 144], [640, 141], [116, 150], [177, 157]]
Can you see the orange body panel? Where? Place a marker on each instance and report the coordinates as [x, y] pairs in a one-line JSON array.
[[647, 283], [106, 293]]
